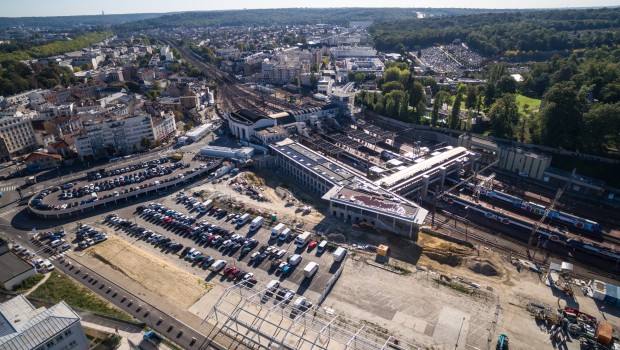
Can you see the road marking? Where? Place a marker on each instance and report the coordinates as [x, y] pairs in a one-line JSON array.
[[8, 188], [8, 212]]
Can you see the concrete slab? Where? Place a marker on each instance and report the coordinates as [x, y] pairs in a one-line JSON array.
[[452, 327]]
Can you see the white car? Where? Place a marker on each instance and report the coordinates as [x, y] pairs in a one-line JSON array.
[[57, 243], [273, 285], [247, 276], [280, 253], [48, 265]]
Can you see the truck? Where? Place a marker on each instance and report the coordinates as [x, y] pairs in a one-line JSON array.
[[310, 269], [153, 338], [339, 254], [243, 219], [256, 223], [284, 234], [302, 239], [275, 232]]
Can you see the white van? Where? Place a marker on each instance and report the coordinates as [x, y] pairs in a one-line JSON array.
[[310, 269], [275, 232], [218, 265], [284, 234], [321, 246], [339, 254], [294, 259]]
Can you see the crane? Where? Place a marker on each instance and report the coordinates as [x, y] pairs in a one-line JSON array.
[[550, 207]]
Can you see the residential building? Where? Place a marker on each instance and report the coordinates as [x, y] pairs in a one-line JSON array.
[[13, 270], [26, 327], [16, 131], [36, 161], [106, 137], [164, 126]]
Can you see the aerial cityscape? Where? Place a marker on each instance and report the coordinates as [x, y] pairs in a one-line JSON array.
[[247, 177]]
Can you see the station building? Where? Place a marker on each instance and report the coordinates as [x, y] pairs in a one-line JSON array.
[[352, 198]]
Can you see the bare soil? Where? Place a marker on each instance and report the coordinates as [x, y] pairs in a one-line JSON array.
[[149, 271]]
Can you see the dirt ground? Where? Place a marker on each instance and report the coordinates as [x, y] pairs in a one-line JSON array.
[[150, 271]]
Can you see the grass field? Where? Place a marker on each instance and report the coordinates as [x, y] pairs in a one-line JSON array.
[[60, 287], [532, 102], [28, 283]]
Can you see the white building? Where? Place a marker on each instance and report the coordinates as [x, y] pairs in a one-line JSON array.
[[16, 131], [119, 135], [164, 126], [353, 51], [22, 326]]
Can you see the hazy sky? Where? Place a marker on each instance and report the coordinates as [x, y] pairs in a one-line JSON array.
[[26, 8]]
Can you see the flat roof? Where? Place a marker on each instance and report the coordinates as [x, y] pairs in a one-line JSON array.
[[12, 266], [321, 166], [247, 116], [427, 164]]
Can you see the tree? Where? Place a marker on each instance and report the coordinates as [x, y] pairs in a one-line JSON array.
[[391, 74], [506, 85], [601, 128], [145, 142], [359, 78], [435, 113], [504, 115], [417, 94], [561, 117], [314, 81], [489, 95], [472, 97], [391, 86], [456, 108]]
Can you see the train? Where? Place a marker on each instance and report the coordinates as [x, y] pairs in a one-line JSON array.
[[543, 235], [565, 218]]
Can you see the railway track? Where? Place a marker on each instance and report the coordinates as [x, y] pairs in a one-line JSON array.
[[232, 95], [586, 272]]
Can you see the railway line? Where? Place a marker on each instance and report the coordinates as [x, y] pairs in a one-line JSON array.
[[583, 262], [232, 95]]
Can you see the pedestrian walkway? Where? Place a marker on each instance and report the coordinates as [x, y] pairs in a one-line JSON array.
[[134, 335], [8, 188], [45, 277]]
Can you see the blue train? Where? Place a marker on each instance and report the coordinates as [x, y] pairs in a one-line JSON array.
[[568, 219]]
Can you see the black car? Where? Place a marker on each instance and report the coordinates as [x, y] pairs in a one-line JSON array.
[[185, 251]]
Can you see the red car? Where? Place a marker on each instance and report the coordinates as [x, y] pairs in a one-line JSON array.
[[312, 244], [232, 273]]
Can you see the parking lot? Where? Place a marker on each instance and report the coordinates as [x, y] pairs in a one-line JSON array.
[[144, 228], [115, 181]]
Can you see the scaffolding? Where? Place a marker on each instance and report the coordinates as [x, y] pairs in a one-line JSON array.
[[249, 319]]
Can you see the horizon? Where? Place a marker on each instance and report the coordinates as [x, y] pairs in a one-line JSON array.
[[25, 9]]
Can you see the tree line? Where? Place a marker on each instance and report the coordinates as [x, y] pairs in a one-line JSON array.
[[494, 33]]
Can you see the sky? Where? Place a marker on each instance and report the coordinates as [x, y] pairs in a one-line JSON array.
[[29, 8]]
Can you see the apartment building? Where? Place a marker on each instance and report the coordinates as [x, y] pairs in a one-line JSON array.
[[16, 131], [26, 327], [164, 126], [107, 137]]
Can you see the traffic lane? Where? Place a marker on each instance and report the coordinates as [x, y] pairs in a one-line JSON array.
[[158, 320]]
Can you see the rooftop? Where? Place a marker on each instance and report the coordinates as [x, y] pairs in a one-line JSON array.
[[11, 266], [22, 326]]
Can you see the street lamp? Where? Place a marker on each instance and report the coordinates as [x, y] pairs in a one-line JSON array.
[[459, 336]]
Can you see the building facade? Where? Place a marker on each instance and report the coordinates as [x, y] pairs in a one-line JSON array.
[[164, 126], [114, 136], [17, 132]]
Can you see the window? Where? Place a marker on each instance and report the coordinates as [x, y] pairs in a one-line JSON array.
[[68, 332]]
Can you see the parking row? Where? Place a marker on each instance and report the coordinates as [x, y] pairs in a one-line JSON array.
[[208, 245]]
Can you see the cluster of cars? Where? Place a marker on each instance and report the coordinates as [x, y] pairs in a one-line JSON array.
[[142, 232], [88, 236], [284, 296], [97, 175]]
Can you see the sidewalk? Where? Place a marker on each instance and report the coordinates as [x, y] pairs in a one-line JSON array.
[[135, 336]]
